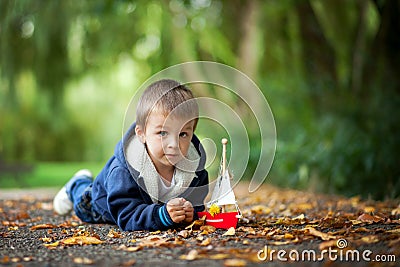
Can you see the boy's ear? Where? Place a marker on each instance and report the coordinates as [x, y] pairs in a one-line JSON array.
[[140, 133]]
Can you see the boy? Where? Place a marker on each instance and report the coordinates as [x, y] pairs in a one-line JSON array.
[[156, 172]]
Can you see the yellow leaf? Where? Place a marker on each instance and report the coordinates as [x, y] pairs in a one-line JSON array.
[[214, 209], [396, 231], [196, 224], [370, 239], [231, 231], [192, 255], [82, 240], [260, 209], [369, 209], [288, 236], [55, 244], [84, 260], [234, 263], [219, 256], [43, 226]]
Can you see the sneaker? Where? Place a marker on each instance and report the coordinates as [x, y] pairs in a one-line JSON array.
[[61, 203]]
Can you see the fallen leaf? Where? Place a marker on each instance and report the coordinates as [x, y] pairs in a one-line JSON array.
[[260, 209], [30, 258], [370, 239], [234, 263], [247, 230], [114, 234], [68, 224], [301, 207], [81, 240], [280, 243], [76, 240], [5, 259], [184, 233], [130, 249], [369, 209], [206, 242], [396, 211], [155, 241], [128, 263], [208, 228], [192, 255], [334, 222], [365, 217], [288, 236], [178, 241], [196, 224], [219, 256], [231, 231], [322, 235], [83, 260], [52, 245], [395, 231], [327, 244]]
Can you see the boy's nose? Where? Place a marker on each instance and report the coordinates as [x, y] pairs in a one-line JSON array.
[[172, 142]]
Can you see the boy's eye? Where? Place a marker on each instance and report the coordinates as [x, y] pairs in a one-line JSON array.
[[183, 134], [162, 133]]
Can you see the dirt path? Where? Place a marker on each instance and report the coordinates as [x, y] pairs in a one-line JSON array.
[[280, 226]]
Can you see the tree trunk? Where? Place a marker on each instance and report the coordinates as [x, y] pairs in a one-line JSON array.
[[318, 55]]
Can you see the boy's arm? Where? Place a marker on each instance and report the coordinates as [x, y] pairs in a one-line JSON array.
[[128, 207]]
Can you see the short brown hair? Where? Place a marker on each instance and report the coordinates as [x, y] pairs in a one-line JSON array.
[[167, 95]]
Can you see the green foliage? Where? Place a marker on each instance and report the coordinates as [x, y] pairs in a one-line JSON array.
[[349, 151]]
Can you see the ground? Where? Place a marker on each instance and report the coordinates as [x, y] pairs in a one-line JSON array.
[[279, 226]]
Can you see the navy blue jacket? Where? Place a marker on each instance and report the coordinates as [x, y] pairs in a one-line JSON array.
[[119, 195]]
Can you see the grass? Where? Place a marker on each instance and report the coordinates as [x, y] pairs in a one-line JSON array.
[[48, 174]]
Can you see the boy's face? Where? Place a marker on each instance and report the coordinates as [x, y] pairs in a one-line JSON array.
[[167, 139]]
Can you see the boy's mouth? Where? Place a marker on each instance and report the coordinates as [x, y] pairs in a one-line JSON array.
[[172, 155]]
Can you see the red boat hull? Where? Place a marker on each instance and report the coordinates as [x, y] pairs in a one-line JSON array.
[[221, 220]]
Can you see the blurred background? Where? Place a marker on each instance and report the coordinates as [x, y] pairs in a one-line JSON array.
[[328, 68]]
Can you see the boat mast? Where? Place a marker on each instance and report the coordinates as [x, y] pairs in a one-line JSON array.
[[224, 141]]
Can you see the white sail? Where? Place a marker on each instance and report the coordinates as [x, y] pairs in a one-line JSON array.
[[223, 193]]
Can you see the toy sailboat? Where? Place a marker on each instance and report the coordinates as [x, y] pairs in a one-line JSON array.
[[222, 198]]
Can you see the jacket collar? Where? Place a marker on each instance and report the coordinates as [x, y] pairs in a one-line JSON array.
[[137, 158]]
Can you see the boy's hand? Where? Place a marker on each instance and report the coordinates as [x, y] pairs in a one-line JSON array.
[[175, 208], [188, 208]]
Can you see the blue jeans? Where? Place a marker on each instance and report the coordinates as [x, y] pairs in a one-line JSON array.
[[79, 191]]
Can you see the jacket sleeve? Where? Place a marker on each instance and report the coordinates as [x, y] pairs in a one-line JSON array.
[[128, 207]]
